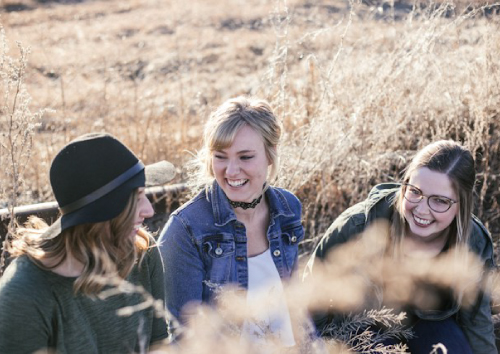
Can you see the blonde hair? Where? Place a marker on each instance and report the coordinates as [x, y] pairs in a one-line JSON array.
[[105, 248], [457, 163], [222, 127]]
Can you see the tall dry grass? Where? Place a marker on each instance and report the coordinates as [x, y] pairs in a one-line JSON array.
[[17, 126], [358, 86], [376, 94]]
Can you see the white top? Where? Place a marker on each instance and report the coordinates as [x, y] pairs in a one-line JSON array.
[[266, 302]]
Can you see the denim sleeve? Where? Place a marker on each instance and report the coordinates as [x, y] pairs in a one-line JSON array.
[[183, 267], [300, 238]]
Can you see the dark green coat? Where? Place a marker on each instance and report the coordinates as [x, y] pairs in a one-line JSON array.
[[476, 322]]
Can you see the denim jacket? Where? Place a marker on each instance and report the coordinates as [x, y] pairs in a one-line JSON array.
[[204, 246], [476, 322]]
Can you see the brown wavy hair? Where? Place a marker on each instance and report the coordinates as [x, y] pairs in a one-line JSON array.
[[104, 248]]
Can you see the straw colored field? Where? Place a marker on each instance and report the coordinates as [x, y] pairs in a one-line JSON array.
[[358, 86]]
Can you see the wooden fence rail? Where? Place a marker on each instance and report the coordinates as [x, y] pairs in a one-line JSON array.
[[165, 199]]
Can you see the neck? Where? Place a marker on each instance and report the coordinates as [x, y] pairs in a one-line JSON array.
[[249, 213], [245, 205], [70, 267], [418, 247], [248, 205]]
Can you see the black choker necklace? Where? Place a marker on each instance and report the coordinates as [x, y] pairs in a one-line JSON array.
[[245, 205]]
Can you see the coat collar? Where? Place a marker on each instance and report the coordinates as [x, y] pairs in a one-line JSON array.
[[224, 213]]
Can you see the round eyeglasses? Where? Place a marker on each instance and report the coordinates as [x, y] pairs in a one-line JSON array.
[[437, 203]]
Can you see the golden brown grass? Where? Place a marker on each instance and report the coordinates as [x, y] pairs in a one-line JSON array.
[[359, 88]]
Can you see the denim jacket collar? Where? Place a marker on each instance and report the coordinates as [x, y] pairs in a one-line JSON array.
[[224, 213]]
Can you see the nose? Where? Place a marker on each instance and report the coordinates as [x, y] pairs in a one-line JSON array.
[[423, 205], [145, 208], [232, 168]]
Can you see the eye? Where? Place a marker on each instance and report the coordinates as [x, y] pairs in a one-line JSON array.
[[441, 201], [219, 157], [140, 193], [414, 191], [246, 157]]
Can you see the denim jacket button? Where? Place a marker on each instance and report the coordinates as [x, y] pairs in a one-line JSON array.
[[294, 238], [276, 253], [218, 251]]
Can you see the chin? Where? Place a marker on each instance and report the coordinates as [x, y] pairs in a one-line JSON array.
[[424, 234]]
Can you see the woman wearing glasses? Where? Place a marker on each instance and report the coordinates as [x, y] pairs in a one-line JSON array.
[[429, 216]]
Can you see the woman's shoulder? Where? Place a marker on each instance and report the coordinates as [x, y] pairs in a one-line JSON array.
[[480, 240], [152, 253], [287, 195], [189, 218], [196, 204], [21, 270], [284, 203], [377, 205], [479, 230], [22, 279], [150, 263], [378, 201]]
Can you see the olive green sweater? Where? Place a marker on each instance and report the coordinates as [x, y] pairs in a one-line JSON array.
[[39, 311]]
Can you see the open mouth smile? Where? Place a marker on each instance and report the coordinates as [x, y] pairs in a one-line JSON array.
[[421, 222], [237, 182]]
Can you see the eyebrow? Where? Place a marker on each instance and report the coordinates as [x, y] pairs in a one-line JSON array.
[[431, 195], [238, 152]]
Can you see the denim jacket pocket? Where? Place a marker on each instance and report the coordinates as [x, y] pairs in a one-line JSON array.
[[291, 237], [218, 255]]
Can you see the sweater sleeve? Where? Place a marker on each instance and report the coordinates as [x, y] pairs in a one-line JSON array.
[[158, 292], [25, 324]]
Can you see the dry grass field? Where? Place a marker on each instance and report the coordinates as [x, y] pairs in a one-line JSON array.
[[359, 87]]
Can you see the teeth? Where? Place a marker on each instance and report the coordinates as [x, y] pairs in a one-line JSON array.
[[236, 183], [422, 221]]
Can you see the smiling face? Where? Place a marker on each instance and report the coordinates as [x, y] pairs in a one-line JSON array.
[[423, 222], [241, 169], [143, 210]]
